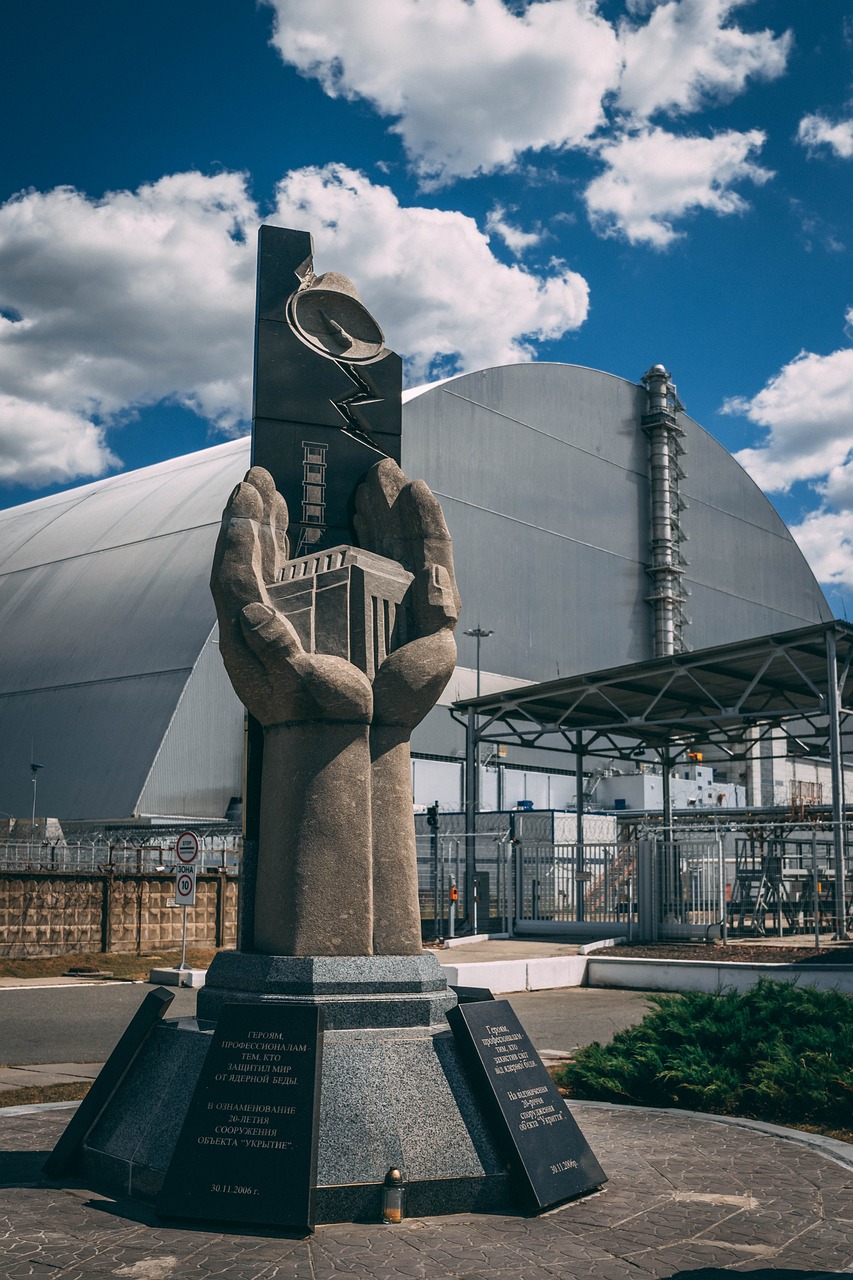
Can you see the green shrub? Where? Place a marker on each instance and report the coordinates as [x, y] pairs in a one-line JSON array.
[[777, 1052]]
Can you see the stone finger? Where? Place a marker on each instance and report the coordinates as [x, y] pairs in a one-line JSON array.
[[420, 513], [433, 599], [269, 634], [235, 578], [245, 502], [280, 522]]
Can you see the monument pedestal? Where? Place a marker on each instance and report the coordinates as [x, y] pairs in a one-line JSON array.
[[393, 1091]]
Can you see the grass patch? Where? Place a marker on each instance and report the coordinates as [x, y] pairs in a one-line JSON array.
[[122, 964], [32, 1094], [777, 1052]]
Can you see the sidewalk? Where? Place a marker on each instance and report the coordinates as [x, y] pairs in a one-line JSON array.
[[501, 965], [685, 1194]]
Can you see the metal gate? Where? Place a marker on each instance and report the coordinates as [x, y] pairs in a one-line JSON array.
[[559, 885], [689, 889]]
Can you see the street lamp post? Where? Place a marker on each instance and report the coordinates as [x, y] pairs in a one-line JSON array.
[[472, 786], [479, 633], [34, 768]]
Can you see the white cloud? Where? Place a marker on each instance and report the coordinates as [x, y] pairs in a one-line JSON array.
[[807, 409], [45, 445], [442, 297], [148, 296], [653, 177], [469, 83], [826, 540], [817, 131], [126, 301], [516, 240], [472, 84], [689, 52]]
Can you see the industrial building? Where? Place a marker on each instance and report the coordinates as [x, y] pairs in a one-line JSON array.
[[595, 524]]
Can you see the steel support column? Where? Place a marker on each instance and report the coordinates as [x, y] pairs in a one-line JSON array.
[[472, 805], [666, 766], [580, 869], [837, 785]]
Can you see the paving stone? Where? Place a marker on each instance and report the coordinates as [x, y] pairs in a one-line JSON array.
[[656, 1217]]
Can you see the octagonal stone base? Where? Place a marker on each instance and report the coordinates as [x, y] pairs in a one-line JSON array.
[[393, 1089]]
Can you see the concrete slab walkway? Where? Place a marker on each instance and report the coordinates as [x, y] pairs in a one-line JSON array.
[[686, 1194]]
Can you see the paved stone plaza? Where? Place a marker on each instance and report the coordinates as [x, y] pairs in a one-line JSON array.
[[686, 1195]]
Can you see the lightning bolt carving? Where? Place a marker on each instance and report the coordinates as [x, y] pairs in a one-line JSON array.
[[349, 406]]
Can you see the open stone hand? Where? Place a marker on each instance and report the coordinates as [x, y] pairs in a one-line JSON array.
[[401, 519], [271, 672], [337, 865]]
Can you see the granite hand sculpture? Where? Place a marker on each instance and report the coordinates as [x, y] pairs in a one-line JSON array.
[[337, 871]]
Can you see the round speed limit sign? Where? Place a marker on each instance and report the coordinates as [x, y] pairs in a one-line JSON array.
[[187, 847], [185, 889]]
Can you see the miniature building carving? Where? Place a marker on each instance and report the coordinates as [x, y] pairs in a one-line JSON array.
[[346, 602]]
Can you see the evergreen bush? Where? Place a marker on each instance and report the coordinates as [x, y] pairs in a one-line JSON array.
[[777, 1052]]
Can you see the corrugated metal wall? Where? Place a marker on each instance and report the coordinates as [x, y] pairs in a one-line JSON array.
[[106, 672]]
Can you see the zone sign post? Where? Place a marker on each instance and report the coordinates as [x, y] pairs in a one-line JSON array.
[[187, 849]]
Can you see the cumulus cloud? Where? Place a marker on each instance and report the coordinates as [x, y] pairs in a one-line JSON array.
[[516, 240], [143, 297], [689, 52], [129, 300], [443, 298], [470, 84], [825, 538], [653, 177], [817, 131], [48, 445], [807, 409]]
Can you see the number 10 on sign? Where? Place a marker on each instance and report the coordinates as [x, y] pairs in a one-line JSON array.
[[184, 897]]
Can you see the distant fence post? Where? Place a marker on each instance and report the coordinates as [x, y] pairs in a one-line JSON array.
[[647, 921], [221, 903], [107, 883]]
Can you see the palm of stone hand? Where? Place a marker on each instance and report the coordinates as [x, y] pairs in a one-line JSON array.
[[271, 672]]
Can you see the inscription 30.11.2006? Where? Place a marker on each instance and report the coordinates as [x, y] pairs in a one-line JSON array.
[[551, 1156], [247, 1151]]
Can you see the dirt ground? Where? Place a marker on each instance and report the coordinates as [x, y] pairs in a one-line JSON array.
[[739, 952]]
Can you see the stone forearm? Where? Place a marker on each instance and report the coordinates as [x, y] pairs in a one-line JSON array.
[[396, 911], [314, 864]]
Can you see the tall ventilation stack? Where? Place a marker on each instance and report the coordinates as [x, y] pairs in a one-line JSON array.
[[667, 537]]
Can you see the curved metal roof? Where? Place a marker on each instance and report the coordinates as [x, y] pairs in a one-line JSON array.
[[541, 470], [104, 610]]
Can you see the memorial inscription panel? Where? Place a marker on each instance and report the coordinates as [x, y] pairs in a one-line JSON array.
[[247, 1151], [107, 1081], [550, 1153]]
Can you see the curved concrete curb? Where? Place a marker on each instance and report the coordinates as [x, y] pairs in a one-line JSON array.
[[709, 975], [35, 1107], [545, 973], [840, 1152]]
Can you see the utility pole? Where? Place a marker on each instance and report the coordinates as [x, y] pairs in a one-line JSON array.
[[479, 634], [34, 768], [472, 785]]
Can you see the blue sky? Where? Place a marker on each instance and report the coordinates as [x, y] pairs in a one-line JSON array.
[[609, 184]]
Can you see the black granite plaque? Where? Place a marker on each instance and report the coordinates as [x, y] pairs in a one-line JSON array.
[[549, 1152], [247, 1151], [108, 1080], [472, 995]]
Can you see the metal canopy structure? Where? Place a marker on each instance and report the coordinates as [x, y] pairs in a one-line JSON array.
[[734, 697]]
